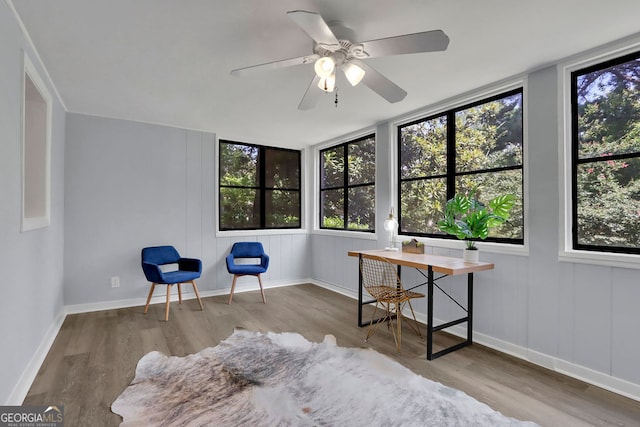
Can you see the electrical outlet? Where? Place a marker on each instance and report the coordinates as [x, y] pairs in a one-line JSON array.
[[115, 282]]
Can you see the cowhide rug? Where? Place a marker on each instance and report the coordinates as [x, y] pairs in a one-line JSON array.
[[254, 379]]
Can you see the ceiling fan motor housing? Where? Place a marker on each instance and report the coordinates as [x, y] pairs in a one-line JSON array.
[[343, 52]]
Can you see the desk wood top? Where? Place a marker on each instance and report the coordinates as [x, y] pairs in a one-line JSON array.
[[441, 264]]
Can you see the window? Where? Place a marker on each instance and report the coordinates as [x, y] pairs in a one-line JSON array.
[[605, 108], [478, 144], [347, 185], [259, 187], [36, 150]]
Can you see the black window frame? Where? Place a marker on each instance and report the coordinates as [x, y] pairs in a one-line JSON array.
[[576, 161], [451, 174], [262, 188], [345, 185]]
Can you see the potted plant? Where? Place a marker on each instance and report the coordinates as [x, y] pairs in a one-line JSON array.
[[467, 218]]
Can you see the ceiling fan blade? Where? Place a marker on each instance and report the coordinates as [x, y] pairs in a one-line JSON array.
[[315, 26], [274, 65], [382, 85], [428, 41], [311, 96]]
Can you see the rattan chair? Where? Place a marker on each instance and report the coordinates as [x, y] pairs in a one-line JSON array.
[[381, 281]]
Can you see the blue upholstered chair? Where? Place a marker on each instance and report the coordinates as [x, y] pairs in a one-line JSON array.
[[241, 250], [188, 269]]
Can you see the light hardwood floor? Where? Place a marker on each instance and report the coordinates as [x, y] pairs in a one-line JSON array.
[[94, 356]]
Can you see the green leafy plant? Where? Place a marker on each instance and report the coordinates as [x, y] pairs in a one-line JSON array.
[[467, 218]]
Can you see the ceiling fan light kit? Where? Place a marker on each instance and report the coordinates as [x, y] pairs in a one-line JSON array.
[[333, 48], [353, 72], [328, 84], [324, 67]]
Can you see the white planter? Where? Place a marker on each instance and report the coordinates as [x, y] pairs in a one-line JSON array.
[[471, 255]]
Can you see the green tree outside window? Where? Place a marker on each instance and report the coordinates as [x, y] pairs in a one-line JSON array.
[[347, 185], [474, 146]]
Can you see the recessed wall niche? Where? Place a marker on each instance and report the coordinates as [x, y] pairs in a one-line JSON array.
[[36, 150]]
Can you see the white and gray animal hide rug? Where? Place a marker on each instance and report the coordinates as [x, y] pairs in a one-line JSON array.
[[254, 379]]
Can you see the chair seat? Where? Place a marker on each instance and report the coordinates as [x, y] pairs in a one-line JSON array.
[[246, 269], [389, 294], [180, 276]]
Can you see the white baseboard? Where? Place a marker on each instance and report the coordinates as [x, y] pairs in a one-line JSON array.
[[19, 392], [582, 373], [590, 376], [607, 382], [346, 292], [187, 294]]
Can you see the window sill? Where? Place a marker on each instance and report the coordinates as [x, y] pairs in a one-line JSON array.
[[346, 233], [600, 258], [29, 224], [269, 232], [490, 247]]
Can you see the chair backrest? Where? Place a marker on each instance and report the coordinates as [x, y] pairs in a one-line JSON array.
[[247, 250], [160, 255], [379, 276]]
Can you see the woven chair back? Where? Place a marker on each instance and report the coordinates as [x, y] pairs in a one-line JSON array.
[[379, 278]]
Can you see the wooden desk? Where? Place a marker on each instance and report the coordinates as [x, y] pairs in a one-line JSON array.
[[448, 266]]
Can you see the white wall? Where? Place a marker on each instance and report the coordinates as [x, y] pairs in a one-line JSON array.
[[131, 185], [575, 318], [31, 307]]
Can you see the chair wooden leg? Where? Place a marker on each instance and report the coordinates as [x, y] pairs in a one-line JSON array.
[[166, 310], [261, 290], [195, 289], [146, 307], [179, 293], [233, 286]]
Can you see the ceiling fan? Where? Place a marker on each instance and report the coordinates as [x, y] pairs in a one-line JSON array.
[[334, 49]]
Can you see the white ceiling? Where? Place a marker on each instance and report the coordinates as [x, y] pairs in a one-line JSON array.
[[168, 61]]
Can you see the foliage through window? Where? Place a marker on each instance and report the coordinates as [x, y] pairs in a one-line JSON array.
[[606, 156], [259, 187], [347, 185], [480, 145]]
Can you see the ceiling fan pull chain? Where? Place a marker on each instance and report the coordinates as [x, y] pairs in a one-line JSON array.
[[336, 101]]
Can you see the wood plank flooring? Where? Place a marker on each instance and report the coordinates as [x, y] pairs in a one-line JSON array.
[[94, 356]]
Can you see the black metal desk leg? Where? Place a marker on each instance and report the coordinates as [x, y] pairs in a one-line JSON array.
[[470, 308], [430, 313], [360, 291]]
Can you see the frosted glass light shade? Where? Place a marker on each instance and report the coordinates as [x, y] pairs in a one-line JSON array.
[[328, 84], [390, 224], [353, 72], [324, 67]]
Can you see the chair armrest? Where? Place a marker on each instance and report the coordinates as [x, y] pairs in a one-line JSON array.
[[264, 261], [230, 260], [152, 272], [190, 264]]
